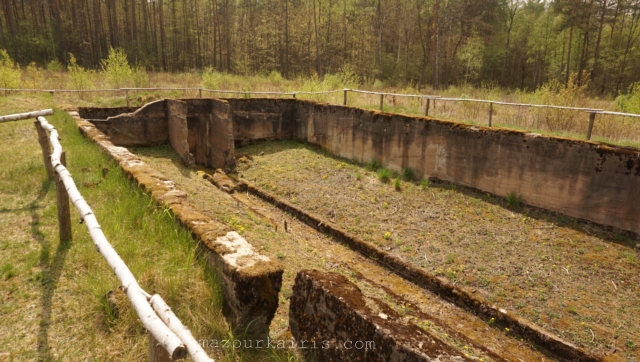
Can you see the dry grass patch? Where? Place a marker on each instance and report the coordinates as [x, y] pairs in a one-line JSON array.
[[575, 279]]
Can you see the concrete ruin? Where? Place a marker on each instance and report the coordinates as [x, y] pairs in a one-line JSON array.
[[583, 179]]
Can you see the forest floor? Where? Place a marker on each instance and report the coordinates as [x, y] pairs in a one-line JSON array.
[[575, 279]]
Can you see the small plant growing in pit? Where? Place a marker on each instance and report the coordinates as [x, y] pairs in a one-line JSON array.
[[384, 175], [396, 184], [514, 200], [387, 235], [425, 184], [372, 165], [408, 174]]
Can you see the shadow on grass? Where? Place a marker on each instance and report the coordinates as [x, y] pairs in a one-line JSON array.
[[50, 271]]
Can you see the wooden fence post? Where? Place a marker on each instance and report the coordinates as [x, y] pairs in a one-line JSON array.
[[157, 353], [426, 109], [200, 93], [345, 97], [46, 148], [381, 101], [294, 95], [126, 96], [592, 118], [64, 213], [490, 113]]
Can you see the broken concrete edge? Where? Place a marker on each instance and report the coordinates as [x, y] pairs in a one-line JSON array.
[[460, 296], [250, 281], [341, 315]]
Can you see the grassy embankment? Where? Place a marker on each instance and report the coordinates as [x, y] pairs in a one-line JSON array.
[[51, 293]]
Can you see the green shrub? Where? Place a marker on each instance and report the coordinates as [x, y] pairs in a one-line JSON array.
[[79, 78], [514, 200], [33, 76], [630, 102], [10, 74], [116, 68], [372, 165], [384, 174], [408, 174], [211, 79], [54, 66], [425, 184], [140, 77], [396, 184]]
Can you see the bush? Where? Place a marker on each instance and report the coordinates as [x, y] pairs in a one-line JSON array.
[[116, 68], [408, 174], [425, 184], [372, 165], [33, 76], [514, 200], [396, 184], [54, 66], [10, 74], [384, 175], [140, 77], [211, 79], [79, 78], [630, 102]]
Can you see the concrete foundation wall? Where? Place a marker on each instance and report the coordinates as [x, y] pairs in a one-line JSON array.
[[583, 179], [331, 320], [211, 132], [262, 119], [144, 127], [178, 130]]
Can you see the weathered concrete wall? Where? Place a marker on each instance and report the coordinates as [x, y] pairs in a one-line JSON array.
[[250, 281], [583, 179], [104, 113], [211, 132], [178, 130], [262, 119], [145, 127], [330, 313]]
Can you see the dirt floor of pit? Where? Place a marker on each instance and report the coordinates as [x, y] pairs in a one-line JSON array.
[[300, 247], [575, 279]]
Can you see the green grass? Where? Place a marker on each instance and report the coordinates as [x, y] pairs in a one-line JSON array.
[[52, 292], [514, 200], [408, 174], [385, 175]]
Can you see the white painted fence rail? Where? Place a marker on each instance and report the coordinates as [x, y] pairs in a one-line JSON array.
[[153, 312]]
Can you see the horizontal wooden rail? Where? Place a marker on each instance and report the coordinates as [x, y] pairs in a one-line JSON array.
[[166, 329], [293, 94], [27, 115]]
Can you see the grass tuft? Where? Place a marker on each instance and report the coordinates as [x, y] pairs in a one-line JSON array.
[[372, 165], [514, 200], [385, 175], [408, 174], [396, 184], [425, 184]]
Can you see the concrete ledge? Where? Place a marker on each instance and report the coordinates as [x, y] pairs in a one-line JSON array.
[[328, 309], [250, 281]]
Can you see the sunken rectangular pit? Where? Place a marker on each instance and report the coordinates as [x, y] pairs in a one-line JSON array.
[[480, 233]]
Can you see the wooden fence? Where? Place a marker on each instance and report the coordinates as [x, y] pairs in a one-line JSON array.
[[592, 112], [168, 338]]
